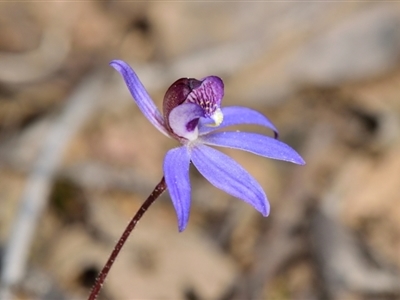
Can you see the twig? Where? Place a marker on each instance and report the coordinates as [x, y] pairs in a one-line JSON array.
[[280, 244], [93, 174], [38, 63], [236, 55], [344, 264], [343, 261], [35, 195]]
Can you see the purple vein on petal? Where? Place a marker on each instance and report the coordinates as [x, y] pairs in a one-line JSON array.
[[254, 143], [176, 172], [140, 95], [237, 115], [226, 174]]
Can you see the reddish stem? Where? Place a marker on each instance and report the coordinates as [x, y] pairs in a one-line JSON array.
[[158, 190]]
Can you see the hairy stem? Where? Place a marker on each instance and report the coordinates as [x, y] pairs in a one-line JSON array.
[[158, 190]]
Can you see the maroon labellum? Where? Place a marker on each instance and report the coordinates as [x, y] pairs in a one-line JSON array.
[[189, 99], [176, 95]]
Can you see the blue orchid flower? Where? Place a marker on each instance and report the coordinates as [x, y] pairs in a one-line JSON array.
[[192, 115]]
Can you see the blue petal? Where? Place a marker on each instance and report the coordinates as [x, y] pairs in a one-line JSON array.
[[140, 95], [226, 174], [254, 143], [237, 115], [176, 172]]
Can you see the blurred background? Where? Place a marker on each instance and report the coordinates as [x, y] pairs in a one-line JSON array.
[[77, 158]]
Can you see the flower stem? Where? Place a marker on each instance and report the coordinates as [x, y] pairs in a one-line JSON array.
[[158, 190]]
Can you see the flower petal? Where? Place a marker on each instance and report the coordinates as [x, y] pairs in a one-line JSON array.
[[254, 143], [208, 95], [237, 115], [140, 95], [183, 120], [176, 172], [226, 174]]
